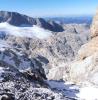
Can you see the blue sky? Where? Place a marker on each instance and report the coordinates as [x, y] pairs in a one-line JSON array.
[[42, 8]]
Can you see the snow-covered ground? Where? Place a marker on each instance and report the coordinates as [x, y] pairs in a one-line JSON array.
[[88, 93], [30, 32], [74, 91], [3, 44]]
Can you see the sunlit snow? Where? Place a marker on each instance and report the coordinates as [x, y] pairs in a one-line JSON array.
[[88, 93]]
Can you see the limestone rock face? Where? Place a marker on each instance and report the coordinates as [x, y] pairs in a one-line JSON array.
[[92, 46], [88, 49], [94, 27], [85, 68]]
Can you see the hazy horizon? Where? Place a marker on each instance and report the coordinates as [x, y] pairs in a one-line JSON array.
[[51, 8]]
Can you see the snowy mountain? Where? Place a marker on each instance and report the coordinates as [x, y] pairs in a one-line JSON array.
[[17, 19], [43, 60]]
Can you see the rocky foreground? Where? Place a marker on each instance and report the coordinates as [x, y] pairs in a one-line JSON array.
[[23, 78]]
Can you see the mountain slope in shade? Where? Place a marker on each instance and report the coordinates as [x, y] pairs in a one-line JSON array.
[[17, 19]]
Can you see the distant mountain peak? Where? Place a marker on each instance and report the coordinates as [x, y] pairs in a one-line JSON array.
[[18, 19]]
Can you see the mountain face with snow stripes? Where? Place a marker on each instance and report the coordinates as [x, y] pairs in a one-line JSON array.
[[17, 19]]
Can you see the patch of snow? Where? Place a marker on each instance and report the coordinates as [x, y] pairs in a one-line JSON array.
[[61, 85], [24, 65], [80, 68], [30, 32], [94, 78], [3, 44], [69, 90], [58, 68], [53, 73], [88, 93], [40, 32]]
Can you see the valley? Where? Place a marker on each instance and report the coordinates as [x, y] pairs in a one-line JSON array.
[[46, 60]]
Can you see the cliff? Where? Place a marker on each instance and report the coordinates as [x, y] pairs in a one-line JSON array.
[[85, 68]]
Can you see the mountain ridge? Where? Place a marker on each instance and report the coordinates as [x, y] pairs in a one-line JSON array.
[[18, 19], [72, 19]]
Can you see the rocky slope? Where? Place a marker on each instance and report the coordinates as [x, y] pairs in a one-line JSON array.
[[55, 48], [23, 78], [18, 71], [85, 67]]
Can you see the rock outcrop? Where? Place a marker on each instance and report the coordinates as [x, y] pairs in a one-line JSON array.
[[85, 68], [94, 27], [92, 46], [18, 62]]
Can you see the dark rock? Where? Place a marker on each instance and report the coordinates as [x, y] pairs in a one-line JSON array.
[[56, 27], [15, 18], [7, 96], [43, 59], [14, 67], [53, 26]]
